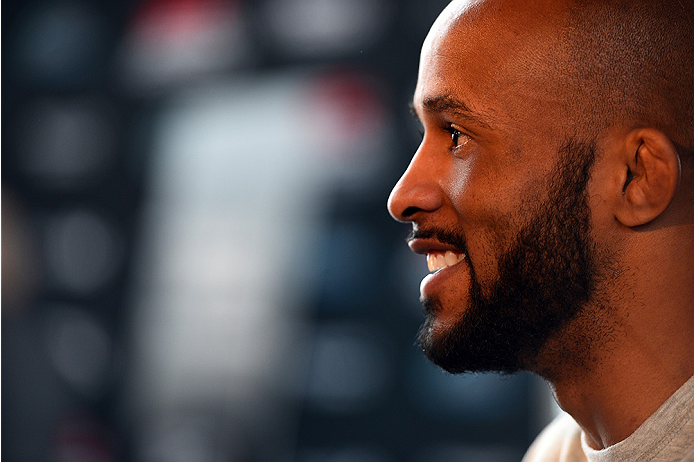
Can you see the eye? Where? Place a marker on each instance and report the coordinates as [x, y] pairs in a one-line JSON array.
[[458, 138]]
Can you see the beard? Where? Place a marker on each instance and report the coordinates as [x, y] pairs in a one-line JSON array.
[[545, 278]]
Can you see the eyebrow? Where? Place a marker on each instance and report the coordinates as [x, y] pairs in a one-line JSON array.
[[447, 103]]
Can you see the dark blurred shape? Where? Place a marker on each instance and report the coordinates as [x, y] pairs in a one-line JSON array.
[[83, 251], [66, 144], [82, 437], [171, 42], [325, 28], [20, 266], [60, 45], [482, 398], [349, 454], [350, 369], [471, 453], [341, 261], [80, 350]]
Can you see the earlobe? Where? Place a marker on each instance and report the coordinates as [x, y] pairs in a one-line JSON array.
[[650, 179]]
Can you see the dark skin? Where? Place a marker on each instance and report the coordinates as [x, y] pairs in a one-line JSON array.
[[497, 95]]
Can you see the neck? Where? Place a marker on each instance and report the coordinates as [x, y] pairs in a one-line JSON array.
[[610, 410], [625, 354], [622, 376]]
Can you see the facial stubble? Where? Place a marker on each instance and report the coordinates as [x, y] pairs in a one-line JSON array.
[[545, 278]]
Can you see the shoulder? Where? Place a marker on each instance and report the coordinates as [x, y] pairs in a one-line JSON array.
[[560, 441]]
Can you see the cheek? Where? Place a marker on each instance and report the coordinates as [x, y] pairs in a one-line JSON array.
[[486, 204], [454, 301], [491, 215], [459, 181], [487, 234], [604, 193], [485, 249]]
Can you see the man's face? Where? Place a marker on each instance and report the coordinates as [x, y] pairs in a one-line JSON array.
[[497, 195], [543, 280]]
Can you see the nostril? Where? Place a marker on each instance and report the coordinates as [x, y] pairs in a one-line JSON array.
[[409, 212]]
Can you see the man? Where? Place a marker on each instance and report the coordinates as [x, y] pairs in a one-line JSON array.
[[553, 197]]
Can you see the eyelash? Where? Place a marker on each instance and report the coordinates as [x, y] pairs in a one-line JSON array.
[[455, 136], [454, 133]]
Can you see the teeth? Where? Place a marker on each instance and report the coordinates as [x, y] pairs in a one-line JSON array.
[[438, 260], [450, 258]]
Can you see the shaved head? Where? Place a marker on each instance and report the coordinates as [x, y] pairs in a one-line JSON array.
[[633, 62], [621, 62]]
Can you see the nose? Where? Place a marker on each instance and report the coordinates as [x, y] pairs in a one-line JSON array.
[[418, 191]]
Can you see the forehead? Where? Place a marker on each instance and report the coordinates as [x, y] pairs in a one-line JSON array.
[[502, 58]]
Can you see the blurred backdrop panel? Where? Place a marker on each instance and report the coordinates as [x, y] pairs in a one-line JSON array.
[[197, 261]]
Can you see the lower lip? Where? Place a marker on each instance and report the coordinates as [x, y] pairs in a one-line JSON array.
[[430, 283]]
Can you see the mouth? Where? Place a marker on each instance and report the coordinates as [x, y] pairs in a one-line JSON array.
[[443, 261], [444, 253], [438, 260], [445, 272]]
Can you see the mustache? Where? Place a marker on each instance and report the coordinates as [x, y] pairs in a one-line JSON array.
[[445, 236]]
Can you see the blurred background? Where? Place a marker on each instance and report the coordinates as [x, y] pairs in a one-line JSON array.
[[197, 260]]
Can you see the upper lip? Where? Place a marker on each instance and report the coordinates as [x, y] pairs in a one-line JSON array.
[[425, 246]]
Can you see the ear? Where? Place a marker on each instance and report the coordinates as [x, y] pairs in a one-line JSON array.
[[650, 179]]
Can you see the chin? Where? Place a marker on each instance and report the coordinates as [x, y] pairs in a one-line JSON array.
[[455, 347]]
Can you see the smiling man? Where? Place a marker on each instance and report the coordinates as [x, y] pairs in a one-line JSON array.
[[553, 197]]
